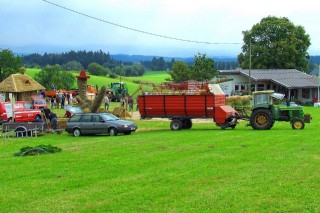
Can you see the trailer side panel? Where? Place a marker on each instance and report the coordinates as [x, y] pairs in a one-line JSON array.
[[177, 106]]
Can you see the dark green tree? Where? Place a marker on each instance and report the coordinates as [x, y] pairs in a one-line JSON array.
[[180, 72], [203, 68], [9, 64], [275, 43]]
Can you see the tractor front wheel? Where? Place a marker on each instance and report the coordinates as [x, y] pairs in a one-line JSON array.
[[297, 123], [261, 119]]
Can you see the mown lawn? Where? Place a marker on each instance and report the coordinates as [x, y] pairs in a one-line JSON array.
[[204, 169]]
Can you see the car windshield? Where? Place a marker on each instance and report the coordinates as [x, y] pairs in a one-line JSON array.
[[73, 109], [110, 117], [28, 105], [40, 101]]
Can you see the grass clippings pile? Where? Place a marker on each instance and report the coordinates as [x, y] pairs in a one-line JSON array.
[[37, 150]]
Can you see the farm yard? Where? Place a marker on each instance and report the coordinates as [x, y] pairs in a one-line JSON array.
[[155, 169]]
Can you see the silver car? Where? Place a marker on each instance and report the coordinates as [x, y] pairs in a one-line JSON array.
[[98, 123]]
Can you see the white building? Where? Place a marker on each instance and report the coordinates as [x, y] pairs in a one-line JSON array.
[[296, 85]]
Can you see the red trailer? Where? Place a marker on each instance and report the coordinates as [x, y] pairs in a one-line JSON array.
[[180, 109]]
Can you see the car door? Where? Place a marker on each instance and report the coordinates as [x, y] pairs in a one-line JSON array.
[[86, 125], [99, 124]]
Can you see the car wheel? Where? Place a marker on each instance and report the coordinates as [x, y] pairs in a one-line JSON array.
[[38, 118], [76, 132], [113, 132]]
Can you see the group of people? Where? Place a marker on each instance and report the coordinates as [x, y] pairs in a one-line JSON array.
[[61, 99]]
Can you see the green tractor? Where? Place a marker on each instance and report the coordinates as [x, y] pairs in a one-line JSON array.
[[268, 107], [120, 90]]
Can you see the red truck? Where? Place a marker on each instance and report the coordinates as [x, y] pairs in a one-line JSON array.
[[23, 112], [180, 109]]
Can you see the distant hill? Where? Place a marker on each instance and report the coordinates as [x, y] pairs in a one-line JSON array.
[[138, 58]]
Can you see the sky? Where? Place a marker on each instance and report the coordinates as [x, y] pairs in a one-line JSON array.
[[170, 28]]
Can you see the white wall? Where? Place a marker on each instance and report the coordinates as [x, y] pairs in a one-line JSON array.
[[228, 86]]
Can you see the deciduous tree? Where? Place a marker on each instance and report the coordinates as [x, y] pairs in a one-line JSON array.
[[180, 72], [97, 69], [9, 64], [203, 68], [275, 43]]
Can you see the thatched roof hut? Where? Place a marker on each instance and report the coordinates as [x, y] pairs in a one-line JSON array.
[[21, 85]]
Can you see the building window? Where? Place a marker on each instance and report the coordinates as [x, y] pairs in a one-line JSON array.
[[260, 87], [306, 93], [268, 86], [239, 87]]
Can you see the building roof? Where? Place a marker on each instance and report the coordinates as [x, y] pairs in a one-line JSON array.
[[19, 83], [289, 78]]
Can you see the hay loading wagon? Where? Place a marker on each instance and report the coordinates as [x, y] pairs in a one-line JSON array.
[[180, 109]]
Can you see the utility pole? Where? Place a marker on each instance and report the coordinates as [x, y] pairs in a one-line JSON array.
[[120, 71], [250, 66]]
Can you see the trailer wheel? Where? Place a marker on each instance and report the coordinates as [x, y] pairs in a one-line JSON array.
[[21, 131], [297, 123], [261, 119], [176, 124], [186, 124]]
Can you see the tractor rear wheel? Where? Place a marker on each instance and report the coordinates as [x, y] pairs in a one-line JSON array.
[[297, 123], [176, 124], [261, 119]]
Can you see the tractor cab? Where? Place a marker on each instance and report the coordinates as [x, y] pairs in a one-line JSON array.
[[266, 98], [120, 90]]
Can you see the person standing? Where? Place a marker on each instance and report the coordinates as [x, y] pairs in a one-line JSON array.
[[106, 102], [63, 100], [52, 99], [59, 99], [70, 97], [130, 103]]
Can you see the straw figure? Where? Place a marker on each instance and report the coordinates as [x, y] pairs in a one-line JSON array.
[[85, 104]]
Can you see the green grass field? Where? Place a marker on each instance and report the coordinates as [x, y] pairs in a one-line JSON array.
[[204, 169]]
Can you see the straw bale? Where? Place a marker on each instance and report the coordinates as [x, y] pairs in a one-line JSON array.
[[119, 112], [62, 122], [128, 115]]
